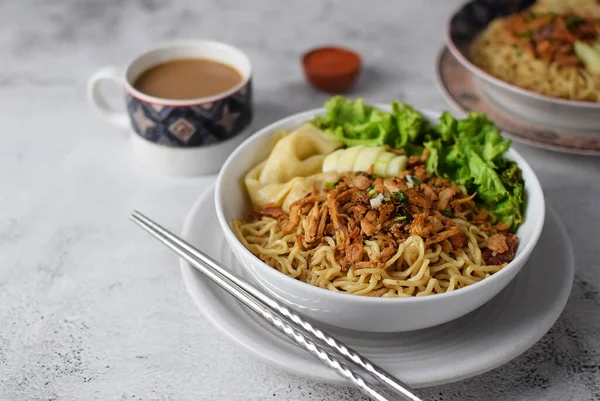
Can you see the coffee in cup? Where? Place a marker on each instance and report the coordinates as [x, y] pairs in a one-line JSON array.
[[188, 103]]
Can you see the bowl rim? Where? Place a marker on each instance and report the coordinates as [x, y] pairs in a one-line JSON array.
[[520, 259], [486, 76]]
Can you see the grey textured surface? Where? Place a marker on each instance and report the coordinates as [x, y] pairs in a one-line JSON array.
[[92, 309]]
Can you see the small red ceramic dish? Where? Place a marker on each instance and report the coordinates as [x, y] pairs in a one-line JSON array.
[[331, 69]]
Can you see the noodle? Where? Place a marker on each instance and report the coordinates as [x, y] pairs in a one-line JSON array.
[[415, 269], [496, 52]]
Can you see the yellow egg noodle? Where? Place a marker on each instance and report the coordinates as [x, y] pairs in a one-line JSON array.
[[415, 270]]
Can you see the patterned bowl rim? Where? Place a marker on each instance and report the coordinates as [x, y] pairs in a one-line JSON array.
[[499, 82]]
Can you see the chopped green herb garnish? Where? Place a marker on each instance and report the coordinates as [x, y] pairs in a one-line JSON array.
[[533, 15], [572, 21], [401, 196], [372, 193], [527, 35], [413, 180], [399, 219], [331, 185], [448, 213]]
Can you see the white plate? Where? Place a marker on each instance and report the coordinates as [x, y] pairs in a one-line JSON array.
[[492, 335]]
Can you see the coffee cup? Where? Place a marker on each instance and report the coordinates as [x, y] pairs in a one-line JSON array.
[[187, 136]]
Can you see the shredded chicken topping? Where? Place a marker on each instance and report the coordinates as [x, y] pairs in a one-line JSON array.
[[414, 203], [551, 37]]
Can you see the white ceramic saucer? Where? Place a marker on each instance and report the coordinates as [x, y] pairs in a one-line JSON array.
[[480, 341]]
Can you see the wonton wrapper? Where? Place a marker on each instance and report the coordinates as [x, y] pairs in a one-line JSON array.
[[292, 167]]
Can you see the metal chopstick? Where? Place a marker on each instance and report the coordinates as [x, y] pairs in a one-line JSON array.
[[322, 345], [295, 318]]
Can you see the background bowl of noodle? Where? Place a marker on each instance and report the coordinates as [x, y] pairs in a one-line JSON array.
[[572, 98], [356, 312]]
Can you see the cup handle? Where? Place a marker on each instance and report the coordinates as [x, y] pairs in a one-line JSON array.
[[98, 101]]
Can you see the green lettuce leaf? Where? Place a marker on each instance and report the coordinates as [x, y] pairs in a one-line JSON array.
[[435, 154], [484, 136], [447, 127], [510, 210], [354, 123], [485, 180], [410, 125], [469, 152]]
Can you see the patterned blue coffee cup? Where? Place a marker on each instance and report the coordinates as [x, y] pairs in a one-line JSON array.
[[180, 123], [194, 125]]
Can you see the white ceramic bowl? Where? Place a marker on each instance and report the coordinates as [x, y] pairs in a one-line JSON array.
[[546, 111], [351, 311]]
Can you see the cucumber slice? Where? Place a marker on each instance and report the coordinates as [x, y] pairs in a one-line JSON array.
[[382, 162], [589, 56], [361, 158], [367, 157], [331, 161], [347, 159], [396, 165]]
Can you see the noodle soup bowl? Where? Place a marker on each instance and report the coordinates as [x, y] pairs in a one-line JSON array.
[[545, 111], [356, 312]]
